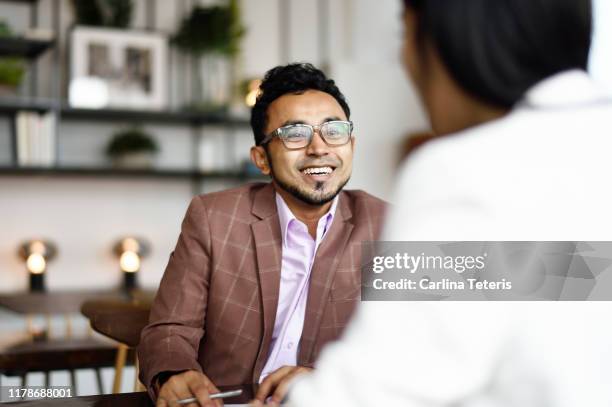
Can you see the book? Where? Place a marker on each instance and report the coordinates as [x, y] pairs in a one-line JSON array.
[[36, 138]]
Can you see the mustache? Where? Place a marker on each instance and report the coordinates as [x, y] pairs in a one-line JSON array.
[[319, 163]]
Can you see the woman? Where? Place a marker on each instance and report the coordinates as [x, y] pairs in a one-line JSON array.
[[524, 155]]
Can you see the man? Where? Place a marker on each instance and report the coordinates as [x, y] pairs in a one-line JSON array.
[[264, 275], [523, 154]]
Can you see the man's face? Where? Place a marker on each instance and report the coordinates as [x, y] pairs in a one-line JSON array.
[[290, 168]]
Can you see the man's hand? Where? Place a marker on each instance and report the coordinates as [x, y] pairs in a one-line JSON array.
[[186, 385], [275, 385]]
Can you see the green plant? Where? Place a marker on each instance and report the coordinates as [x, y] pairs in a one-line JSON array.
[[215, 29], [5, 29], [11, 71], [103, 13], [132, 140]]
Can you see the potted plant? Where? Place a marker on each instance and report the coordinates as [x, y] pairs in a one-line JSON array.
[[12, 69], [132, 148], [211, 35], [103, 13]]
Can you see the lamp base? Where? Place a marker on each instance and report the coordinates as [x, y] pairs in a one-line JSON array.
[[37, 282], [129, 281]]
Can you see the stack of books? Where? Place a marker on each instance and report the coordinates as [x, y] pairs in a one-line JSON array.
[[36, 139]]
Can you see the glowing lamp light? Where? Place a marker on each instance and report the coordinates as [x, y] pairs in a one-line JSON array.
[[130, 251], [36, 263], [36, 254], [129, 262], [251, 96]]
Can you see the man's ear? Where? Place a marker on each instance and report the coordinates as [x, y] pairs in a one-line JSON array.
[[259, 157]]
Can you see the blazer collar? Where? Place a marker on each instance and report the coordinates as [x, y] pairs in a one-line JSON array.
[[343, 210], [264, 202]]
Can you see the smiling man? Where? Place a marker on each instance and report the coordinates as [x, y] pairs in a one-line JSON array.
[[264, 275]]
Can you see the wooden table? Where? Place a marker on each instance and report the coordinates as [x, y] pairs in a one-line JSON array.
[[64, 302], [56, 354], [106, 400], [124, 400]]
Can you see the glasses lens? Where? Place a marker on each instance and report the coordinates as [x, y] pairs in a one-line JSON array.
[[336, 132], [296, 136]]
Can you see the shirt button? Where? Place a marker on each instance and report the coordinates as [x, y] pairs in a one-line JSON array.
[[290, 345]]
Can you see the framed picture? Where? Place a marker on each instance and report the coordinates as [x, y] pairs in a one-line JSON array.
[[117, 69]]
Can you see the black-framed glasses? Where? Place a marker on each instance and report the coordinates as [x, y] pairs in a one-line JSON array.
[[295, 136]]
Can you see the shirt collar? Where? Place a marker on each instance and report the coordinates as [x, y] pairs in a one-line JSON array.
[[285, 215], [564, 89]]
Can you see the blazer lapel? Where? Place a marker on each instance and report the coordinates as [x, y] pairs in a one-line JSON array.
[[324, 267], [268, 246]]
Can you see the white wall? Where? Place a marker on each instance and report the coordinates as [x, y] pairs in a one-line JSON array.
[[85, 216]]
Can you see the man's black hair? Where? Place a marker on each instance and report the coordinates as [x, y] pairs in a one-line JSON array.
[[294, 79], [496, 50]]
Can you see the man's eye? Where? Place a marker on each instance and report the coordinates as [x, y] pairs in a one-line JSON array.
[[335, 130], [297, 134]]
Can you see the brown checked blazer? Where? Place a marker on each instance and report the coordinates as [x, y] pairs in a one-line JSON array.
[[216, 305]]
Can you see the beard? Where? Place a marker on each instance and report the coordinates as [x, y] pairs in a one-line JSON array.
[[316, 197]]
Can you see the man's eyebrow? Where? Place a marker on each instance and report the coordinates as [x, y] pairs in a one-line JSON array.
[[327, 119], [290, 122], [331, 119]]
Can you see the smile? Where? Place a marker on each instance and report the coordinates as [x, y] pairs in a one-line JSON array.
[[317, 170]]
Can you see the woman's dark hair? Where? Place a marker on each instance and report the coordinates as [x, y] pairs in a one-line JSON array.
[[497, 49], [293, 78]]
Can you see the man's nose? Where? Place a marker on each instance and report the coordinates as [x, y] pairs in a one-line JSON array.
[[317, 145]]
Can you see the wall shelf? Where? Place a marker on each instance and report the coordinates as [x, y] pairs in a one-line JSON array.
[[164, 116], [10, 106], [28, 2], [103, 172], [23, 47]]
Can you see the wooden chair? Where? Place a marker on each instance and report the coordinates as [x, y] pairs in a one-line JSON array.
[[37, 352], [122, 321]]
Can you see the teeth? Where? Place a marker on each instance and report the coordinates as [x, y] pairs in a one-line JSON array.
[[319, 170]]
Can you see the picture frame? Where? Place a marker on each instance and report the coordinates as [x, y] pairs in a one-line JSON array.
[[111, 68]]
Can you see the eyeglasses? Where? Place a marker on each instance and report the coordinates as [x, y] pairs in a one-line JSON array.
[[295, 136]]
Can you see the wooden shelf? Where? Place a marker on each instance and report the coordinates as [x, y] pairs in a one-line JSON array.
[[165, 116], [12, 105], [22, 47], [20, 1], [101, 172]]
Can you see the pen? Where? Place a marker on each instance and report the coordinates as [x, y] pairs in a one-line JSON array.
[[221, 395]]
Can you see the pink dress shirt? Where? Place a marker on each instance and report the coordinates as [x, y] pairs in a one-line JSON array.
[[298, 253]]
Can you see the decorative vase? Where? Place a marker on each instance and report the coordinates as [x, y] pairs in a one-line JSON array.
[[135, 160], [212, 90], [8, 90]]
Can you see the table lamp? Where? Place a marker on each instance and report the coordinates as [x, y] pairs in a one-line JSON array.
[[130, 250], [37, 253]]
